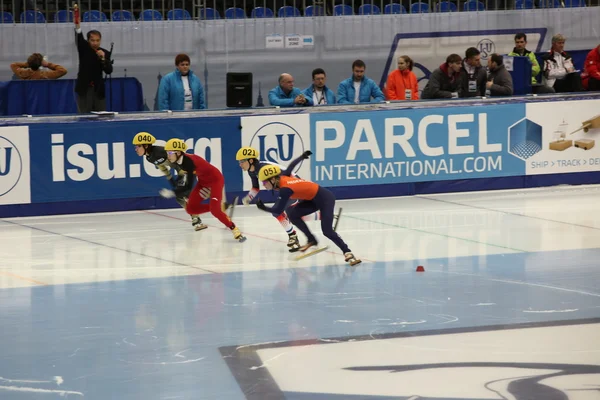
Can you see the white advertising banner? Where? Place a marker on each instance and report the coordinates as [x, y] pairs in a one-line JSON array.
[[14, 165], [278, 139]]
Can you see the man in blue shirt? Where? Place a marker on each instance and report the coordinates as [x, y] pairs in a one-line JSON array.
[[359, 88], [286, 95], [318, 92]]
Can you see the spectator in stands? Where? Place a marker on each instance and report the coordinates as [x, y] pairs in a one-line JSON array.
[[93, 60], [521, 51], [499, 81], [181, 90], [444, 82], [318, 92], [31, 68], [402, 82], [559, 71], [286, 95], [358, 88], [591, 70], [472, 76]]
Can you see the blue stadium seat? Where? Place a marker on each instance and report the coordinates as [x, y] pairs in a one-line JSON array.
[[262, 12], [314, 11], [235, 13], [524, 5], [574, 3], [6, 18], [342, 9], [150, 15], [419, 7], [32, 17], [369, 9], [474, 5], [178, 14], [550, 4], [209, 13], [446, 6], [394, 8], [122, 15], [94, 16], [288, 12], [63, 16]]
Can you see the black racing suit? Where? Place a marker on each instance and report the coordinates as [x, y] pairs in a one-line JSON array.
[[185, 180], [180, 185]]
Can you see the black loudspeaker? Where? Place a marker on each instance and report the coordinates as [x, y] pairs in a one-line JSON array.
[[239, 89]]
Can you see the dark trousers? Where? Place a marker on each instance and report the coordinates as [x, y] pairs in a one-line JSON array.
[[570, 83], [324, 201], [90, 101], [594, 85]]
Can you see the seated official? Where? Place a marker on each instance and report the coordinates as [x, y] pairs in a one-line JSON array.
[[559, 71], [444, 82], [591, 71], [358, 88], [402, 82], [286, 95], [499, 81], [318, 92]]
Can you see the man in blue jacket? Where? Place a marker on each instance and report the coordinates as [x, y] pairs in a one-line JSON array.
[[286, 95], [181, 90], [318, 92], [359, 88]]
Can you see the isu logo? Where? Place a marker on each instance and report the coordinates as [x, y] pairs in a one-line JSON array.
[[11, 165]]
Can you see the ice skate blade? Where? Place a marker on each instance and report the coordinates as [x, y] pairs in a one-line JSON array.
[[232, 207], [200, 227], [354, 262], [293, 249], [241, 239], [311, 253]]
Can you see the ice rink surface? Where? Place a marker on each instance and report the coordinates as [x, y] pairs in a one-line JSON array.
[[137, 305]]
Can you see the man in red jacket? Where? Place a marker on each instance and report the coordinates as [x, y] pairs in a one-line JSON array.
[[591, 70]]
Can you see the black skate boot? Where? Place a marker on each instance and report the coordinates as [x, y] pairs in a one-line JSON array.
[[197, 223], [293, 243], [349, 258]]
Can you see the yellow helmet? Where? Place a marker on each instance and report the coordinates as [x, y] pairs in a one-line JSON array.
[[246, 153], [143, 138], [175, 145], [269, 171]]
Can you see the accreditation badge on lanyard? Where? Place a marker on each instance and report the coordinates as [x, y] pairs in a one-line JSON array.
[[472, 86], [408, 94]]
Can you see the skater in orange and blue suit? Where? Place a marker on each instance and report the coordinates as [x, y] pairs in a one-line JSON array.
[[312, 197]]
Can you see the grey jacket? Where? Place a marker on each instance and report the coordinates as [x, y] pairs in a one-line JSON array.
[[441, 84], [503, 83]]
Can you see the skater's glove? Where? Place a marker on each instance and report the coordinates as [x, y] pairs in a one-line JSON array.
[[250, 196], [261, 205], [306, 154], [166, 193], [205, 193]]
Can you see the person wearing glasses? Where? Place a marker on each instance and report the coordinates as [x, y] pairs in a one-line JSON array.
[[318, 92]]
